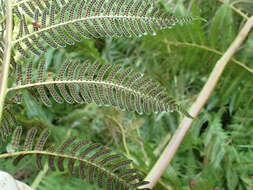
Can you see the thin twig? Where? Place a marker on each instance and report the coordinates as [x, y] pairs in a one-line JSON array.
[[204, 95], [210, 50], [7, 55], [238, 11], [122, 130], [40, 176]]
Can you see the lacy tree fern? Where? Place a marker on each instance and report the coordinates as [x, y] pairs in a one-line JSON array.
[[29, 26]]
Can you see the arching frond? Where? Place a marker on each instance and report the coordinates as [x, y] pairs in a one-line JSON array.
[[102, 84], [59, 26], [93, 162]]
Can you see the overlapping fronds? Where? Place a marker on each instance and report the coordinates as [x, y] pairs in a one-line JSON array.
[[102, 84], [8, 120], [59, 26], [93, 162]]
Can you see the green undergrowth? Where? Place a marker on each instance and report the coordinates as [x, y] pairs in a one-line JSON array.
[[217, 153]]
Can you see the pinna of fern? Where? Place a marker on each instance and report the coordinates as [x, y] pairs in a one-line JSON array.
[[102, 84], [65, 23], [8, 120], [93, 162]]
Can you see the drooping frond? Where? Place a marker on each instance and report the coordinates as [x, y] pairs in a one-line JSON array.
[[8, 120], [102, 84], [59, 26], [93, 162]]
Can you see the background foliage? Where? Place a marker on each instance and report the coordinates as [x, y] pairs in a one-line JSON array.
[[218, 151]]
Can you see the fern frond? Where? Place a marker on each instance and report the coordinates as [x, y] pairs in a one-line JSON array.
[[101, 84], [59, 26], [94, 162]]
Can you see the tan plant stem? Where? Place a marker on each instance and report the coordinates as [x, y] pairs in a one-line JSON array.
[[204, 95], [123, 133], [7, 55], [39, 177]]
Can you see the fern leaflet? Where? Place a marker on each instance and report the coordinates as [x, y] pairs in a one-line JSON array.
[[6, 124]]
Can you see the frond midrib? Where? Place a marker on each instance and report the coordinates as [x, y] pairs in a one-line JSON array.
[[58, 155], [133, 91], [133, 17]]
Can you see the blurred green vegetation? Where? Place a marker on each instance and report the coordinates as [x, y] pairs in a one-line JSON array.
[[217, 153]]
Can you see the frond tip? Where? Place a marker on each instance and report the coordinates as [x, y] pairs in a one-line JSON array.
[[102, 84], [61, 25], [93, 162]]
